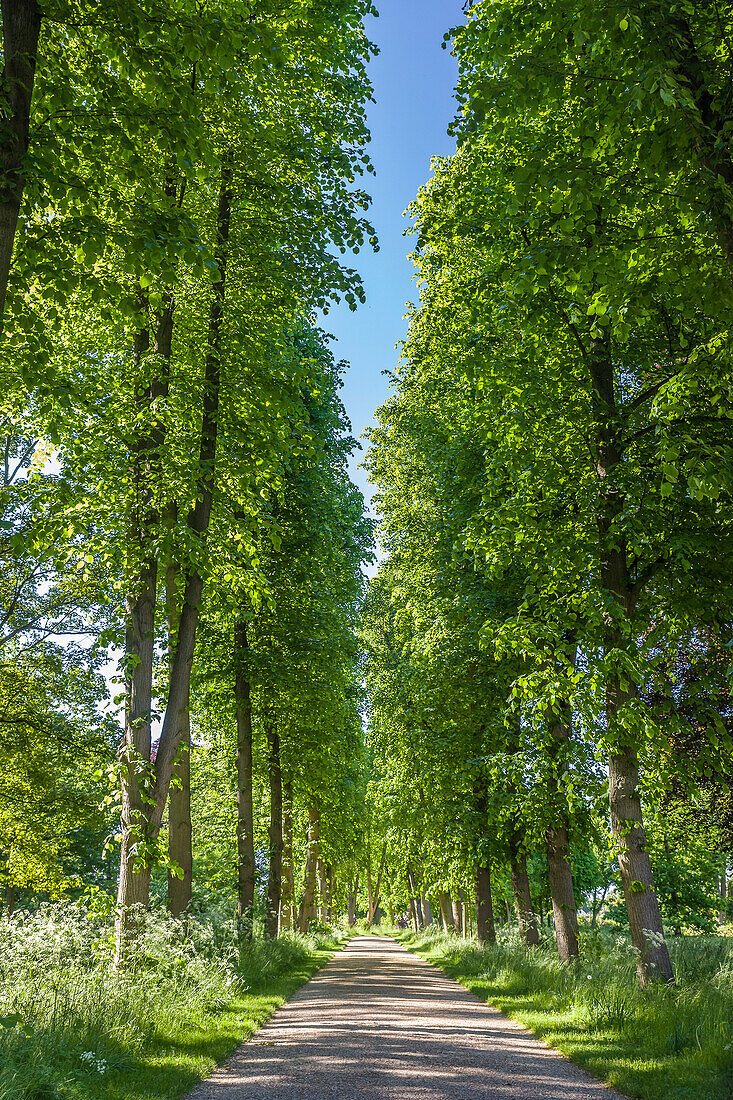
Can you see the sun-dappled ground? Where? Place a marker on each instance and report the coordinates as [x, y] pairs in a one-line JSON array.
[[660, 1043], [379, 1024], [71, 1029]]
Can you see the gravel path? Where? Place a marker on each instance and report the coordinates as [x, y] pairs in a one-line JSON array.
[[378, 1023]]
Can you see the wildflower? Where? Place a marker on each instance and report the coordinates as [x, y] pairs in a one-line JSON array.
[[92, 1062]]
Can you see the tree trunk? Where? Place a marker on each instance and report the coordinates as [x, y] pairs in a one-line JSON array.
[[322, 892], [331, 894], [457, 914], [21, 29], [485, 929], [134, 884], [274, 878], [306, 913], [374, 894], [9, 900], [351, 903], [287, 901], [141, 579], [426, 909], [245, 809], [180, 887], [444, 900], [180, 831], [415, 898], [133, 889], [645, 920], [559, 871], [642, 906], [523, 900], [723, 912]]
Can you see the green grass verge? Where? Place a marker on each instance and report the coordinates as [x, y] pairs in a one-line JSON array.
[[176, 1058], [660, 1044], [73, 1028]]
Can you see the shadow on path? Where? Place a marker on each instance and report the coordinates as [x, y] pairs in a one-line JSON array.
[[378, 1023]]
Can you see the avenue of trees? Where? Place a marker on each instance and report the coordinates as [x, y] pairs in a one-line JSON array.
[[525, 715], [180, 184], [548, 637]]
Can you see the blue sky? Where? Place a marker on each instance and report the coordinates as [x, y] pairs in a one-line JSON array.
[[413, 82]]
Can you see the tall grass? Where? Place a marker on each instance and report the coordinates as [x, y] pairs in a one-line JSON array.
[[71, 1027], [660, 1043]]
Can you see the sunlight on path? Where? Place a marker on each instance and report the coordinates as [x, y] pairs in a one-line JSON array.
[[378, 1022]]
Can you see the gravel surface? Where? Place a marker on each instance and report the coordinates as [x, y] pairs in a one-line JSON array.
[[378, 1023]]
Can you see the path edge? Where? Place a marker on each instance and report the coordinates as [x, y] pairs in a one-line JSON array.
[[517, 1023], [264, 1019]]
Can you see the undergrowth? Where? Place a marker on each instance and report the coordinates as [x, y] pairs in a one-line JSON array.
[[663, 1043], [73, 1029]]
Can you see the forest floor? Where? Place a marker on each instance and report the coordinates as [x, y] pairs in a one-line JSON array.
[[378, 1023]]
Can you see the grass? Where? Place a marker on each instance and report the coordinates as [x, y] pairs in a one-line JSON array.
[[71, 1029], [658, 1044]]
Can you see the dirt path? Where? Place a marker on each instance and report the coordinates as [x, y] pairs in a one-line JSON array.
[[378, 1023]]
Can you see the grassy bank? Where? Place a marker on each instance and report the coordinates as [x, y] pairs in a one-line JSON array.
[[659, 1044], [70, 1029]]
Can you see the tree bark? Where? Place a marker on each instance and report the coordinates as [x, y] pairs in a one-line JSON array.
[[559, 871], [306, 913], [444, 900], [9, 900], [287, 901], [322, 892], [642, 906], [427, 909], [274, 878], [415, 898], [374, 894], [21, 30], [180, 888], [133, 890], [723, 913], [523, 899], [457, 912], [485, 928], [351, 903], [245, 808], [134, 885], [180, 830]]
